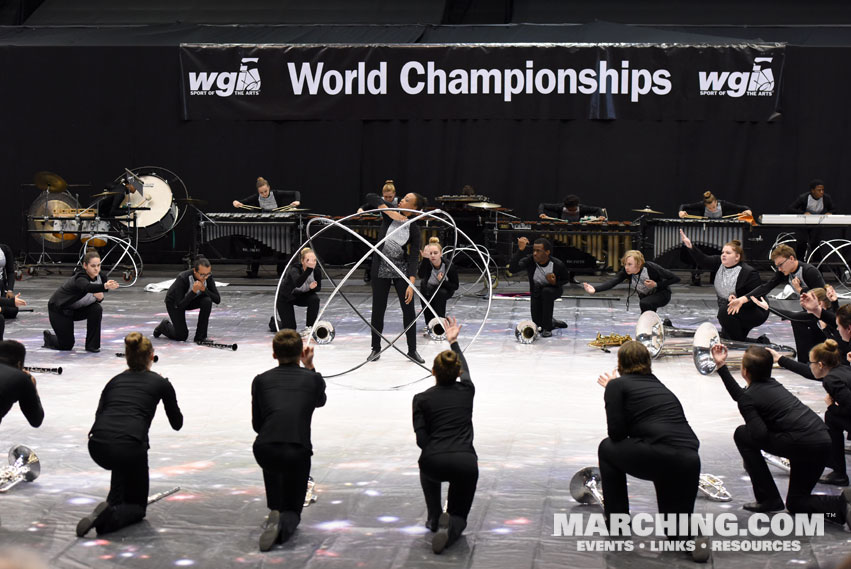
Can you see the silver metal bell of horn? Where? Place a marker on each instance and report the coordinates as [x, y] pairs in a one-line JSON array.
[[713, 488], [526, 332], [323, 332], [23, 465], [437, 329], [661, 339], [586, 486], [707, 336]]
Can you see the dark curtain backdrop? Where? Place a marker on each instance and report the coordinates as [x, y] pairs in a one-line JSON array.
[[88, 112]]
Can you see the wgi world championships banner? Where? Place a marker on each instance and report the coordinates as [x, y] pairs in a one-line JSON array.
[[546, 81]]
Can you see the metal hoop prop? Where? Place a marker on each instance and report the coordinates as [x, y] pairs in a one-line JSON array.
[[128, 255], [834, 248], [436, 215]]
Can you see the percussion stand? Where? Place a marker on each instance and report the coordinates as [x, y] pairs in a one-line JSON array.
[[197, 217]]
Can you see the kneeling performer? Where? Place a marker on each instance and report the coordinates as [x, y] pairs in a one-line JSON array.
[[650, 281], [193, 289], [299, 287], [547, 277]]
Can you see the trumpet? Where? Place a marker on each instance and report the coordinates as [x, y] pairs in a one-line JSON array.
[[23, 465], [121, 355], [526, 332], [660, 338], [323, 332], [56, 370], [713, 488], [586, 486], [211, 344], [436, 329], [707, 336]]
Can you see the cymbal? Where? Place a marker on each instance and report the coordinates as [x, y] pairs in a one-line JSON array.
[[485, 205], [646, 209], [104, 194], [191, 201], [50, 181]]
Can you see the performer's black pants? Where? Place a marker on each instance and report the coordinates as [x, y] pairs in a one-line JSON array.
[[807, 336], [737, 326], [380, 290], [286, 467], [438, 303], [807, 239], [461, 470], [673, 470], [807, 463], [837, 425], [655, 300], [62, 322], [286, 309], [177, 329], [543, 302], [128, 489]]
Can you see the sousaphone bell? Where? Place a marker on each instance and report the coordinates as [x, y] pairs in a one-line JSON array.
[[23, 466], [526, 332], [707, 336], [437, 329], [662, 339], [323, 332], [586, 486]]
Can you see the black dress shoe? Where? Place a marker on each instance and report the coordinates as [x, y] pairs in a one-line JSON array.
[[416, 357], [763, 339], [765, 507], [271, 532], [559, 323], [158, 331], [93, 350], [87, 523], [374, 355], [667, 322], [48, 339], [438, 543], [546, 333], [835, 479]]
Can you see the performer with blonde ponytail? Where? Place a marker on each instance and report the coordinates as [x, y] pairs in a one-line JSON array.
[[434, 272], [299, 287]]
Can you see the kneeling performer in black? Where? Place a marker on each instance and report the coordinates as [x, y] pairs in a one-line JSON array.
[[650, 281], [434, 272], [299, 287], [118, 440], [547, 277], [193, 289], [282, 403], [17, 385], [78, 298], [443, 423], [9, 301]]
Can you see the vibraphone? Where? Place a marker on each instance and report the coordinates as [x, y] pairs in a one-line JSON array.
[[606, 242], [709, 232], [276, 230]]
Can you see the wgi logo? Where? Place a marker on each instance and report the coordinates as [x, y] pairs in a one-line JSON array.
[[227, 83], [758, 82]]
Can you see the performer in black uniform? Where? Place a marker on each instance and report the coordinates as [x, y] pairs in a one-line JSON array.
[[650, 281], [733, 280], [836, 322], [267, 199], [110, 206], [813, 202], [192, 289], [570, 210], [401, 248], [712, 208], [443, 423], [649, 438], [433, 272], [17, 385], [9, 301], [547, 277], [802, 277], [299, 288], [778, 423], [118, 440], [78, 298], [282, 404], [825, 364]]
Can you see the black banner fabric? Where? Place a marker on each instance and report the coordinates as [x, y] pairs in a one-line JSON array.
[[552, 81]]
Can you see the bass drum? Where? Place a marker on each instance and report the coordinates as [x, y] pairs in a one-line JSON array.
[[47, 221], [160, 189]]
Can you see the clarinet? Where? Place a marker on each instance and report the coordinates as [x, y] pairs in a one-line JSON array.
[[211, 344], [121, 355], [56, 370]]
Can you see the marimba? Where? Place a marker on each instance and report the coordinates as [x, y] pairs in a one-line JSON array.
[[276, 230], [709, 232]]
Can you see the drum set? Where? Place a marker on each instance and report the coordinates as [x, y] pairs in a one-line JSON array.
[[140, 205]]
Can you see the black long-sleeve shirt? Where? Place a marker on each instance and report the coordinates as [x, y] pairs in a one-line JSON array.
[[73, 289], [699, 208], [295, 277], [522, 260], [837, 382], [663, 277], [770, 410], [640, 406], [282, 403], [180, 293], [128, 404], [443, 414], [17, 387], [811, 278], [450, 278], [748, 278], [414, 237], [800, 204], [558, 211], [282, 198]]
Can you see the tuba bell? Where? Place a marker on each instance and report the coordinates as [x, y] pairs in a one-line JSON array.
[[586, 486], [660, 338], [526, 332], [323, 332], [437, 329], [23, 465], [707, 336]]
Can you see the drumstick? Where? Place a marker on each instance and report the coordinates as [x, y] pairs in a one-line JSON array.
[[243, 206], [283, 208]]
